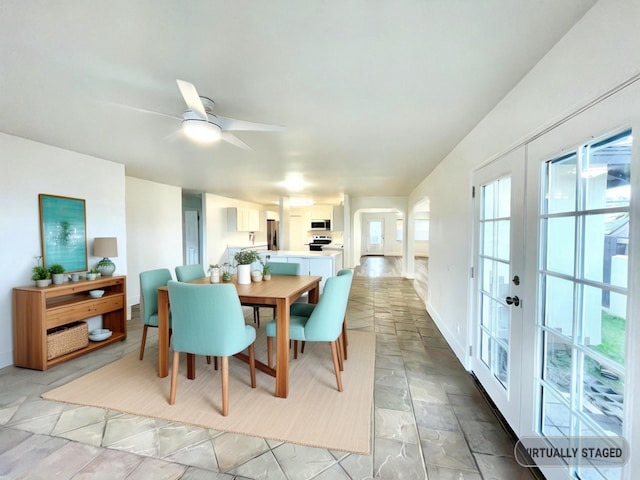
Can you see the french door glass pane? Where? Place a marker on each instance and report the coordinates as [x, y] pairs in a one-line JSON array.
[[602, 397], [606, 173], [561, 185], [556, 415], [560, 231], [557, 362], [495, 277], [559, 311]]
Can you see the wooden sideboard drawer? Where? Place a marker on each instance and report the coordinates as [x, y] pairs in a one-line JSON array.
[[61, 315]]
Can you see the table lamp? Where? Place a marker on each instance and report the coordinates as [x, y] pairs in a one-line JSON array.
[[105, 247]]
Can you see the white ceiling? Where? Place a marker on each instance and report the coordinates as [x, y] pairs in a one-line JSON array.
[[373, 93]]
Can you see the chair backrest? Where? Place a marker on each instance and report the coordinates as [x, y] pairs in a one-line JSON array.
[[284, 268], [186, 273], [325, 322], [150, 281], [207, 319]]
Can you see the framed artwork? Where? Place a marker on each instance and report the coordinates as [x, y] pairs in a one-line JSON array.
[[63, 229]]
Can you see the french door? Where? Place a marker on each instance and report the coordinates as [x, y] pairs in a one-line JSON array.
[[556, 272], [498, 288]]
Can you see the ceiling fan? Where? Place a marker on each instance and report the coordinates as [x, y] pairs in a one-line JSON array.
[[201, 124]]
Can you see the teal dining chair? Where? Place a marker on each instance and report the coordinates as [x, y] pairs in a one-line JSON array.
[[323, 325], [150, 281], [305, 310], [207, 320], [186, 273], [277, 268]]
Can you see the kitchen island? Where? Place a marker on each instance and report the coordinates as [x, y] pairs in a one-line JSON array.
[[325, 264]]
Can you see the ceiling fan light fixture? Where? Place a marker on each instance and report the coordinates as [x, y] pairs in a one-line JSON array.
[[201, 130]]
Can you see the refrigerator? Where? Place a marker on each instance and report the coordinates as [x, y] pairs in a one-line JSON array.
[[273, 240]]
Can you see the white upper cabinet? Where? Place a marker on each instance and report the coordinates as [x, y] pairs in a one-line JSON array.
[[241, 219]]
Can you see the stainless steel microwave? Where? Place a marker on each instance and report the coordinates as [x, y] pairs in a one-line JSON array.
[[320, 225]]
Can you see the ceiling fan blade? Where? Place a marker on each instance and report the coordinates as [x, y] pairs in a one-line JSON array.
[[191, 98], [231, 124], [138, 109], [235, 141]]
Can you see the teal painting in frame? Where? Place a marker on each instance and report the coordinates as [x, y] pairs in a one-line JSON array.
[[64, 232]]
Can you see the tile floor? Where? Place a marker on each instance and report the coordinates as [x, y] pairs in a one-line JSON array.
[[430, 421]]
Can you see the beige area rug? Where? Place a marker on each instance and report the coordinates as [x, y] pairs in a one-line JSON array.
[[315, 413]]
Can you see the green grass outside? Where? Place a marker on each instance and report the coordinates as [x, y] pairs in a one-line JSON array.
[[613, 337]]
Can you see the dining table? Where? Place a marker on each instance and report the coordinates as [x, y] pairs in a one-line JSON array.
[[281, 291]]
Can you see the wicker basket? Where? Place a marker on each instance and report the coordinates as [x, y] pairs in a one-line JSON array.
[[68, 338]]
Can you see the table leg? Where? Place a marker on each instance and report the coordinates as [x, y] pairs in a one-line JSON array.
[[163, 333], [282, 348], [314, 294]]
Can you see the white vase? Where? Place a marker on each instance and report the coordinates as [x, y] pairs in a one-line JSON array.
[[256, 275], [215, 275], [244, 274]]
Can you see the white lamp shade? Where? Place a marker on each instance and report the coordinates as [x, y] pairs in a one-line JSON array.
[[105, 247]]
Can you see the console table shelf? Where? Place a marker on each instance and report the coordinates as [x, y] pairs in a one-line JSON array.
[[36, 310]]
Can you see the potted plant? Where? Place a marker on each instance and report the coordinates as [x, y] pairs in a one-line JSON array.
[[92, 274], [57, 273], [226, 272], [41, 275], [266, 272], [244, 259]]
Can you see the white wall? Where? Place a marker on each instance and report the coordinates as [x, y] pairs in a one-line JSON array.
[[600, 52], [154, 230], [28, 169]]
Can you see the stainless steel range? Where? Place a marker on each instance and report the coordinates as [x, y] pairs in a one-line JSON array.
[[319, 241]]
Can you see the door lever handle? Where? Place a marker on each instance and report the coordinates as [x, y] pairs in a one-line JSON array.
[[515, 301]]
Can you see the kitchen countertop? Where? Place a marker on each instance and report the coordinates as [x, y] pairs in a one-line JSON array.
[[300, 253]]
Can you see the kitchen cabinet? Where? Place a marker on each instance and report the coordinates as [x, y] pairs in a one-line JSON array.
[[318, 264], [321, 212], [240, 219], [38, 310]]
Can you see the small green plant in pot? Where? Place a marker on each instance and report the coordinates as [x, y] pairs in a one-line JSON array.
[[92, 274], [266, 272], [41, 276], [57, 273]]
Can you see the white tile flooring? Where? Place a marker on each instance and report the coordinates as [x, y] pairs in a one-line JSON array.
[[429, 419]]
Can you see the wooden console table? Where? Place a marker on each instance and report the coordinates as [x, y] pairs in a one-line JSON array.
[[36, 310]]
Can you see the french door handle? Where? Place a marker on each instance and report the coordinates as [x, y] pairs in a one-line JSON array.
[[515, 301]]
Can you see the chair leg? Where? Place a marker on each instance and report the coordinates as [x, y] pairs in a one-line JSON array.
[[208, 359], [345, 341], [144, 340], [225, 386], [336, 365], [215, 363], [340, 359], [295, 349], [269, 351], [252, 364], [174, 378], [256, 315], [302, 347]]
